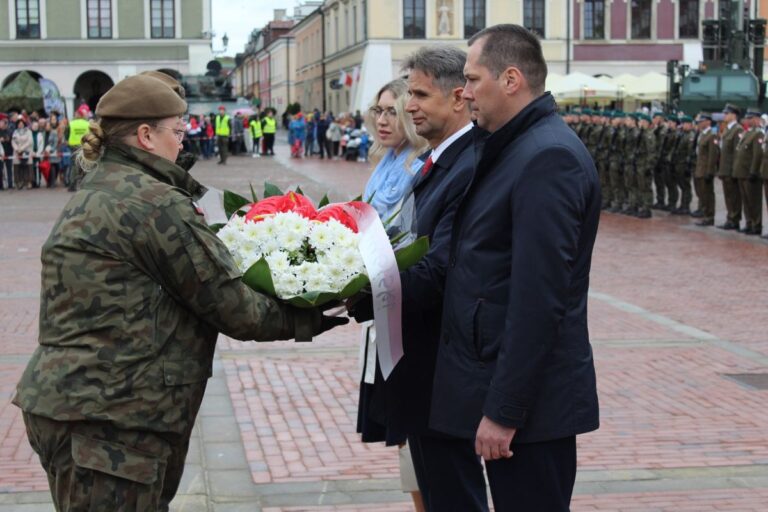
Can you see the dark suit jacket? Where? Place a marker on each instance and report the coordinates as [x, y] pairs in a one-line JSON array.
[[515, 345], [408, 390]]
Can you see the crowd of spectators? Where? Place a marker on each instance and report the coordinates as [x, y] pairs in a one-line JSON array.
[[35, 149]]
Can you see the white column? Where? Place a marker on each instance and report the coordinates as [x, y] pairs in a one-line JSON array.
[[84, 19], [115, 31], [43, 10], [12, 20], [177, 18], [147, 27]]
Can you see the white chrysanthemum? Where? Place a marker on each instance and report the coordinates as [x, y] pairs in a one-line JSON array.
[[305, 270], [278, 262], [289, 240], [321, 283], [321, 237], [230, 237], [287, 285]]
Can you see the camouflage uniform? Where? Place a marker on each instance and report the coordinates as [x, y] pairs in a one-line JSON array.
[[616, 167], [135, 289], [682, 162], [597, 148], [646, 162], [631, 143], [660, 170]]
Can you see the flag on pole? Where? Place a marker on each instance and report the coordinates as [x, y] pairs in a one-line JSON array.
[[356, 74], [342, 77], [349, 79]]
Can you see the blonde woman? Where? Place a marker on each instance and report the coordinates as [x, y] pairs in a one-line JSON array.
[[395, 153]]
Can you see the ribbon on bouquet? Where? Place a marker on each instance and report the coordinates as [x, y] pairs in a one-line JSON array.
[[381, 265]]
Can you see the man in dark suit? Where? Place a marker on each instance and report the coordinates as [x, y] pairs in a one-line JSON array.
[[441, 116], [514, 376]]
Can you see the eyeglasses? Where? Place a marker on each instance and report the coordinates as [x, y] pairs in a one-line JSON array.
[[179, 134], [389, 112]]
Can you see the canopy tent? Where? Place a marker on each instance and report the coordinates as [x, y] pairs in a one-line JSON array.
[[23, 93], [579, 86], [650, 86]]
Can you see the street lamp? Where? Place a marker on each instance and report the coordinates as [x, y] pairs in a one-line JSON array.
[[224, 40]]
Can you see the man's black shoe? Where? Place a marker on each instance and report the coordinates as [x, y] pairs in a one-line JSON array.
[[705, 223], [682, 211], [628, 211], [745, 230], [644, 214], [729, 225], [659, 206], [614, 209], [697, 214]]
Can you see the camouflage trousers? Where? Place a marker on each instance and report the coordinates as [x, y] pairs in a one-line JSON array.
[[644, 188], [616, 184], [605, 183], [683, 182], [93, 466], [630, 185], [659, 181]]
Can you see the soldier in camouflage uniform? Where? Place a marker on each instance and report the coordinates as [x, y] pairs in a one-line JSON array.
[[618, 135], [683, 161], [135, 289], [764, 172], [630, 152], [746, 169], [707, 157], [660, 129], [731, 135], [645, 163], [598, 148]]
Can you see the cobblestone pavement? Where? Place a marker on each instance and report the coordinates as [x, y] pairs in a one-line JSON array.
[[675, 312]]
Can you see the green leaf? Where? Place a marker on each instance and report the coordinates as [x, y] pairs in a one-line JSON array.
[[299, 191], [253, 194], [216, 227], [233, 202], [259, 278], [355, 285], [312, 299], [392, 217], [323, 202], [396, 239], [271, 190], [411, 254]]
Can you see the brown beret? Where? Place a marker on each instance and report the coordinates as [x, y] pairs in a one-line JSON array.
[[168, 79], [141, 97]]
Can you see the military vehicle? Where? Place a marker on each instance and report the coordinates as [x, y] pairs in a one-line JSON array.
[[732, 69]]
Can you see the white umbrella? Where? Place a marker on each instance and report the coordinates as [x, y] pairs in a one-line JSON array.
[[578, 85]]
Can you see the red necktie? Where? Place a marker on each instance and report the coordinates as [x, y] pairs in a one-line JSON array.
[[427, 166]]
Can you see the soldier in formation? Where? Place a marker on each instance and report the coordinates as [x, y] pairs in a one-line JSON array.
[[674, 155]]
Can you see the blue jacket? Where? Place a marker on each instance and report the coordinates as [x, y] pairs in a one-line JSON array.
[[514, 344]]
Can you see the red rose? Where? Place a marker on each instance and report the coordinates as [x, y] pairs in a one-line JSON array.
[[290, 202], [339, 213]]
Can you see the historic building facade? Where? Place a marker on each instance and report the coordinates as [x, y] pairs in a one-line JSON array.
[[358, 45]]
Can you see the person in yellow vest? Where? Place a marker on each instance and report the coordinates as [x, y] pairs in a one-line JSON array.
[[270, 128], [222, 129], [256, 133], [78, 127]]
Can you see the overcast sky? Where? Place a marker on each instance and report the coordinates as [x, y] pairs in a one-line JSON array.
[[238, 18]]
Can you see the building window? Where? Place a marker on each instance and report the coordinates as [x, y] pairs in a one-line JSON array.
[[414, 19], [162, 16], [474, 17], [594, 19], [27, 19], [689, 19], [354, 24], [641, 19], [533, 16], [100, 19]]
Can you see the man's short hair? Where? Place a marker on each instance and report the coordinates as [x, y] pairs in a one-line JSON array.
[[512, 45], [443, 63]]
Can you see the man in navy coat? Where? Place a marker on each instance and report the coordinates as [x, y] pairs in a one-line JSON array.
[[440, 115], [514, 375]]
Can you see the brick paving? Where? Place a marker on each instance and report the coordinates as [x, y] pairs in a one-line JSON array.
[[697, 298]]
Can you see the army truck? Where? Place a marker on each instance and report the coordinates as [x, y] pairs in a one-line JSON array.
[[732, 69]]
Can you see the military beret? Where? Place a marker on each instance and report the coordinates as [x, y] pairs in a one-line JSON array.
[[586, 111], [673, 117], [141, 97], [686, 119], [730, 108], [643, 117], [659, 114], [618, 114], [169, 80]]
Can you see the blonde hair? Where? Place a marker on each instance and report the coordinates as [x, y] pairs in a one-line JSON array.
[[417, 144], [103, 133]]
